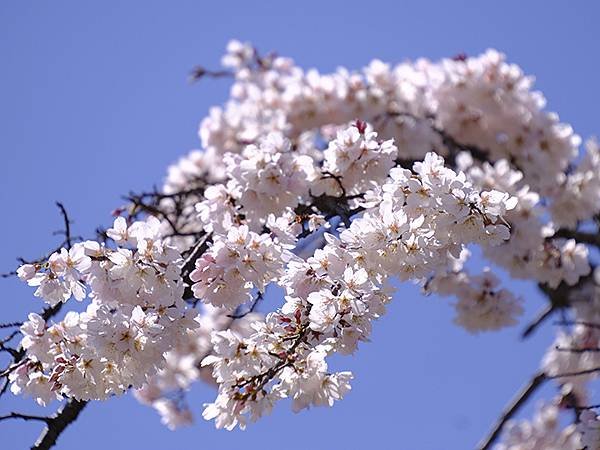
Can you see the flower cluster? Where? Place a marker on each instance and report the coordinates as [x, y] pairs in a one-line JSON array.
[[578, 199], [59, 278], [482, 101], [136, 314], [165, 390], [235, 265], [410, 229], [481, 305], [328, 186], [359, 158], [269, 178]]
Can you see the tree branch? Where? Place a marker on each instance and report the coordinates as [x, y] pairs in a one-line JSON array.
[[540, 318], [67, 222], [11, 325], [578, 322], [190, 263], [255, 301], [511, 409], [26, 417], [580, 236], [577, 373], [58, 423]]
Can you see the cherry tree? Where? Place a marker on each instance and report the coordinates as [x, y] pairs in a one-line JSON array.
[[333, 187]]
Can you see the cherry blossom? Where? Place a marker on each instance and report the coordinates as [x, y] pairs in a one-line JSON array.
[[329, 188]]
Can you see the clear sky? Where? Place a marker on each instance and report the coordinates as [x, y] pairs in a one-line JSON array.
[[94, 102]]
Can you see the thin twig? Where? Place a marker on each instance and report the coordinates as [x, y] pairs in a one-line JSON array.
[[14, 415], [577, 350], [67, 222], [255, 301], [199, 72], [578, 322], [577, 373], [581, 408], [540, 318]]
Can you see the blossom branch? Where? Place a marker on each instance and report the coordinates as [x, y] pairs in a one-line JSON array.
[[228, 222]]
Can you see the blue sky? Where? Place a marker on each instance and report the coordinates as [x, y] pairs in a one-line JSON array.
[[95, 102]]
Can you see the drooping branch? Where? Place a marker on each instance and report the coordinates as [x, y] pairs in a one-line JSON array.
[[153, 203]]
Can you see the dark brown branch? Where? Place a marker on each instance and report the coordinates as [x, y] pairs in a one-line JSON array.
[[67, 242], [257, 382], [200, 72], [10, 350], [581, 408], [558, 299], [51, 311], [577, 350], [578, 322], [14, 415], [511, 409], [541, 318], [67, 222], [152, 210], [255, 301], [8, 274], [454, 146], [577, 373], [10, 336], [190, 263], [257, 63], [56, 424], [580, 236]]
